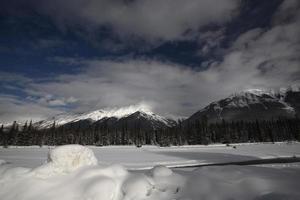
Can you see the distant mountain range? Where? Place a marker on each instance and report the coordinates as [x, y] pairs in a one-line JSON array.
[[131, 116], [252, 105], [247, 105]]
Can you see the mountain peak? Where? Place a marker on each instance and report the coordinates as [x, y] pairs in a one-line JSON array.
[[125, 111], [271, 92], [121, 112], [254, 91], [252, 104], [257, 91]]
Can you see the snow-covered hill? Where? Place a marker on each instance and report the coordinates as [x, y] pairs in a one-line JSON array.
[[251, 105], [133, 112]]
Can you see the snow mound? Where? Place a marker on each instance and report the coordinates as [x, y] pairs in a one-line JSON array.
[[166, 181], [71, 157], [66, 159], [2, 162], [137, 187], [72, 172], [160, 183], [161, 171]]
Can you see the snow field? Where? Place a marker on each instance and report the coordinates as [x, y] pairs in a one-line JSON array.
[[242, 182], [147, 157], [73, 172]]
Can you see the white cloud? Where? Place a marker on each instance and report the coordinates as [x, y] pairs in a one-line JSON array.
[[50, 100], [18, 79], [264, 58], [111, 84], [13, 109], [210, 41]]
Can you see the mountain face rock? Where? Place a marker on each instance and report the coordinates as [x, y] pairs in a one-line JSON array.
[[131, 117], [251, 105], [293, 99], [145, 121]]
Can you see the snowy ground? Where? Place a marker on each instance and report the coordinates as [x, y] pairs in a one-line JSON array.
[[74, 173], [149, 156]]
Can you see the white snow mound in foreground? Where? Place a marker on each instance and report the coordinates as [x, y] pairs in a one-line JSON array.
[[66, 159], [71, 157]]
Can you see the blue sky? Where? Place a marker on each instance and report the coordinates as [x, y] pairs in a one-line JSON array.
[[175, 56]]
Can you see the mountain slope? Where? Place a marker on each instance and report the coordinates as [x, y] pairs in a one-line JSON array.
[[145, 121], [251, 105], [131, 115], [293, 99]]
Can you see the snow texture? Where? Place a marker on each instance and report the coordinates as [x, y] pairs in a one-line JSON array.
[[65, 159], [72, 173], [147, 157]]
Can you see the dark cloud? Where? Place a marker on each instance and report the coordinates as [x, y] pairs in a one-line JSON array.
[[149, 19]]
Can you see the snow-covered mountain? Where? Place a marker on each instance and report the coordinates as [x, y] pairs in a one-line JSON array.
[[246, 105], [251, 105], [133, 112]]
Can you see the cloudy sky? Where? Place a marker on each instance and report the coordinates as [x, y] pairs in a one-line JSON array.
[[173, 55]]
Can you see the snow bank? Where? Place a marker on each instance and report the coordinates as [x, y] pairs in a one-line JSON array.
[[2, 162], [161, 171], [72, 173], [71, 157], [166, 181], [243, 182], [65, 159]]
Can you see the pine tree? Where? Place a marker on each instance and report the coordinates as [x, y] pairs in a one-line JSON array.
[[3, 136]]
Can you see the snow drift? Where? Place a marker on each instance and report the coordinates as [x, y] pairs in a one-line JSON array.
[[72, 173]]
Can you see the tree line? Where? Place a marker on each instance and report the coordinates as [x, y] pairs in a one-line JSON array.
[[184, 133]]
